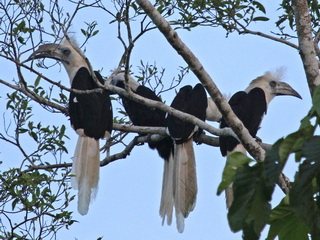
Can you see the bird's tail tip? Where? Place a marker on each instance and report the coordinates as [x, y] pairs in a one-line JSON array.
[[180, 222], [167, 201], [85, 171]]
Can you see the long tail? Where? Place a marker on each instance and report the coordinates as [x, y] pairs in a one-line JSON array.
[[85, 171], [185, 181], [167, 201]]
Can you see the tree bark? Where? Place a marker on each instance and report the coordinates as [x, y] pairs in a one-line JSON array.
[[172, 37], [306, 43]]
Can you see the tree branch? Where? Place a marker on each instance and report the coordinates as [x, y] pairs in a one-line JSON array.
[[306, 44], [261, 34], [172, 37]]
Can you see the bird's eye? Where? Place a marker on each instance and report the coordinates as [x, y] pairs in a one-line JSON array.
[[66, 51], [273, 83]]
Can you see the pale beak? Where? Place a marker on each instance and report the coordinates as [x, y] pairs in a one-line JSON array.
[[283, 88], [50, 50]]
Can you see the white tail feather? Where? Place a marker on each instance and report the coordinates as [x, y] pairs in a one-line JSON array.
[[166, 204], [85, 168], [185, 182]]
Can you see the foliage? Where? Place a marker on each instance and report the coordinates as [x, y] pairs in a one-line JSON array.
[[35, 196], [287, 18], [297, 216], [33, 206], [227, 14]]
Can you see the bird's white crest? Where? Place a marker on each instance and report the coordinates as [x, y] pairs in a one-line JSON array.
[[264, 80]]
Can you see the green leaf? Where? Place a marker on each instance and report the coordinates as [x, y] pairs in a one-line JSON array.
[[272, 166], [36, 83], [21, 25], [260, 19], [234, 161], [294, 141], [285, 224], [316, 100], [83, 32], [251, 208], [95, 33], [304, 186], [34, 136], [21, 39], [259, 6], [62, 131]]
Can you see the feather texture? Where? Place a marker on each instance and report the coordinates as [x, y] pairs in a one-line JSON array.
[[85, 171], [167, 200], [90, 115], [185, 182], [193, 101]]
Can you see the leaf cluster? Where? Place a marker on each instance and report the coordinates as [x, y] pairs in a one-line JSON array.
[[33, 206], [297, 215], [287, 18], [227, 14]]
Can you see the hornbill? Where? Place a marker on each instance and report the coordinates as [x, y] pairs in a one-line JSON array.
[[250, 106], [183, 185], [142, 115], [90, 116]]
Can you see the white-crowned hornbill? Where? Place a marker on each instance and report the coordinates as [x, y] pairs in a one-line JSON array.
[[250, 106], [141, 115], [90, 116], [179, 186], [183, 169]]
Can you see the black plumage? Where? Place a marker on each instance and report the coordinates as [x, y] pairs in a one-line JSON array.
[[182, 173], [189, 100], [90, 111], [250, 106], [141, 115], [250, 109], [90, 116]]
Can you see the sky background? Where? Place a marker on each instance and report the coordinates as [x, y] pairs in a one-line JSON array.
[[127, 203]]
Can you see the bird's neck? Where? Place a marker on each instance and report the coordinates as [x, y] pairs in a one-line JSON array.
[[73, 67]]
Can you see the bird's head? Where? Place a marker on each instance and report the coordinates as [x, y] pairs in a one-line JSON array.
[[67, 52], [272, 85], [119, 81]]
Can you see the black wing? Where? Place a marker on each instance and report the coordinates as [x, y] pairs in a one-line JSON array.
[[141, 115], [198, 102], [91, 112], [250, 109], [192, 101]]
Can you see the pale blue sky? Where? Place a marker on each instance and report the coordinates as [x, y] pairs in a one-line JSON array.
[[127, 203]]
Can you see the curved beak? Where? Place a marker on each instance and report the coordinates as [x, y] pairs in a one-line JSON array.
[[49, 50], [283, 88]]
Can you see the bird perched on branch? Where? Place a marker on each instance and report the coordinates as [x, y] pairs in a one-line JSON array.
[[179, 187], [250, 106], [90, 116], [142, 115], [182, 171]]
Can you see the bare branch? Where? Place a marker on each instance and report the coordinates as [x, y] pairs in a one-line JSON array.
[[261, 34], [253, 148]]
